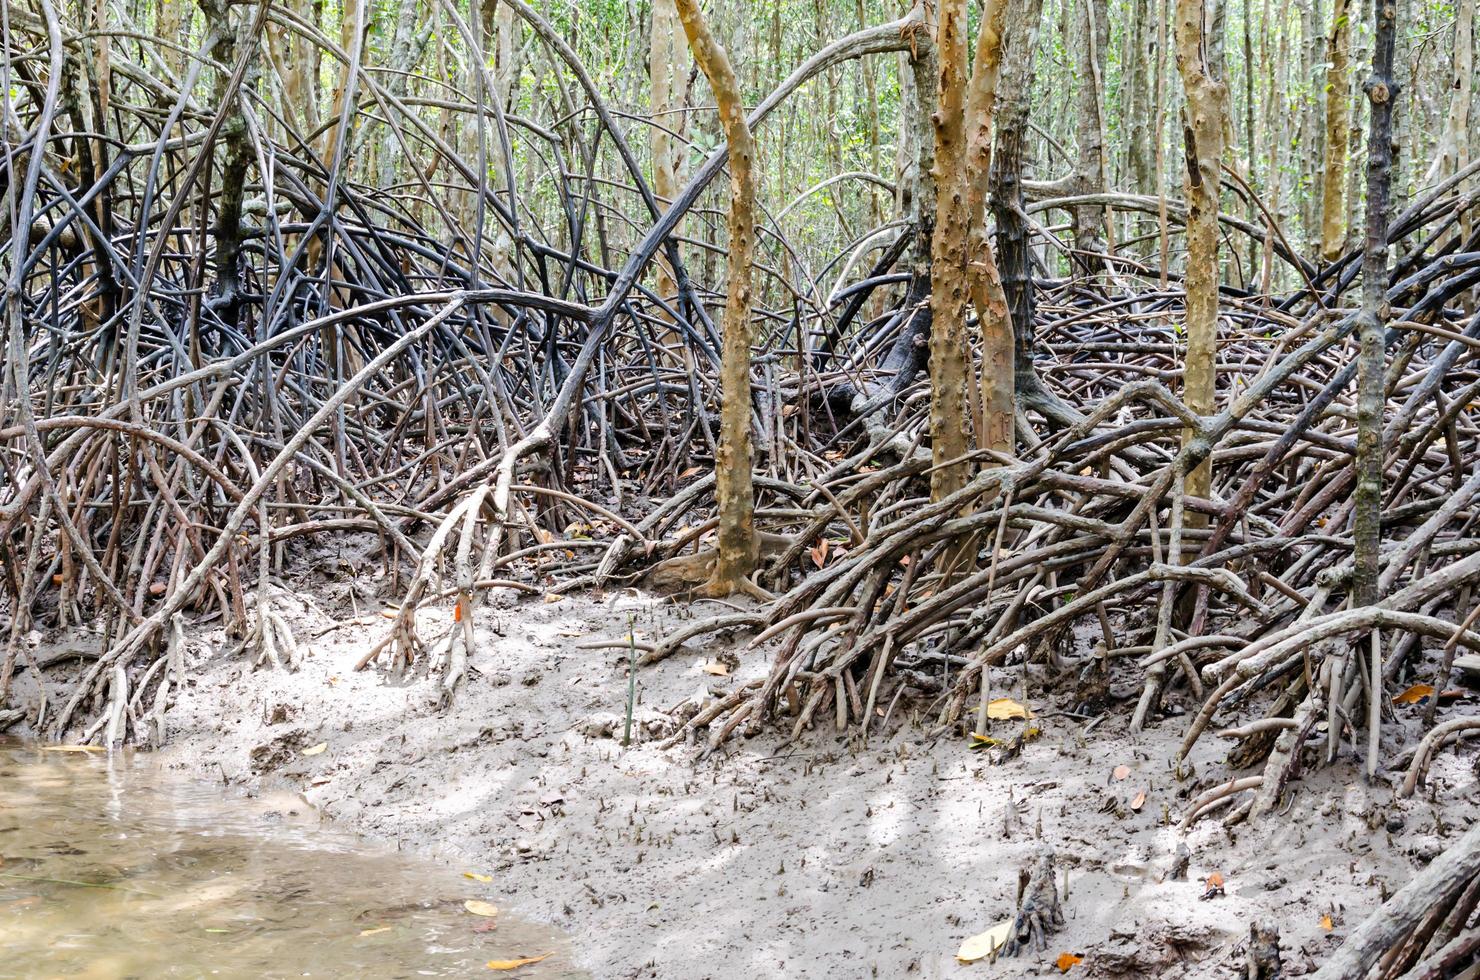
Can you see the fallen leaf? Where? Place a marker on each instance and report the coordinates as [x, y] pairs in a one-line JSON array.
[[551, 597], [819, 553], [984, 944], [1139, 801], [56, 579], [71, 748], [477, 877], [1066, 961], [717, 669], [1214, 880], [390, 613], [316, 749], [1121, 772], [516, 964], [1001, 708], [691, 471], [372, 932], [1415, 694], [156, 589], [1326, 922], [477, 907]]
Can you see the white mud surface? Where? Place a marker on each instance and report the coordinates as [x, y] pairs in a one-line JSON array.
[[823, 859]]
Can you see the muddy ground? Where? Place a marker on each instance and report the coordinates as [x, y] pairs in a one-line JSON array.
[[829, 858]]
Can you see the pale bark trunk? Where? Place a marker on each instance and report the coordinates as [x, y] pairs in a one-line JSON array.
[[1338, 122], [666, 68], [1092, 36], [733, 489], [1203, 138]]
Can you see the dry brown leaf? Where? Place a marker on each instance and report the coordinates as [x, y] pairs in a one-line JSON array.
[[717, 669], [516, 964], [1414, 694], [1139, 801], [478, 907], [1003, 708], [1066, 962], [1326, 922], [1214, 880]]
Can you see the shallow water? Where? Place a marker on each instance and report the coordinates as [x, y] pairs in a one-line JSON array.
[[113, 869]]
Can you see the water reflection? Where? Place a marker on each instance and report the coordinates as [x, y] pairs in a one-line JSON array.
[[113, 869]]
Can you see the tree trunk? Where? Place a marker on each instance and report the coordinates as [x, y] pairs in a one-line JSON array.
[[1006, 199], [1338, 121], [733, 489], [1382, 90], [666, 69], [997, 385], [949, 291], [1202, 131], [1091, 37]]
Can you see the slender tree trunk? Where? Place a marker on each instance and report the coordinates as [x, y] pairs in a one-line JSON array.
[[1453, 153], [998, 391], [1006, 199], [1202, 132], [1139, 110], [224, 43], [1091, 34], [1338, 122], [733, 489], [949, 290], [1382, 90], [666, 68]]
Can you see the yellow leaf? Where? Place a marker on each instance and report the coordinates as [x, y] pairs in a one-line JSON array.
[[552, 597], [477, 877], [516, 964], [376, 931], [390, 613], [71, 748], [316, 749], [1414, 694], [984, 944], [1001, 708], [476, 907], [1326, 923], [1066, 961]]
